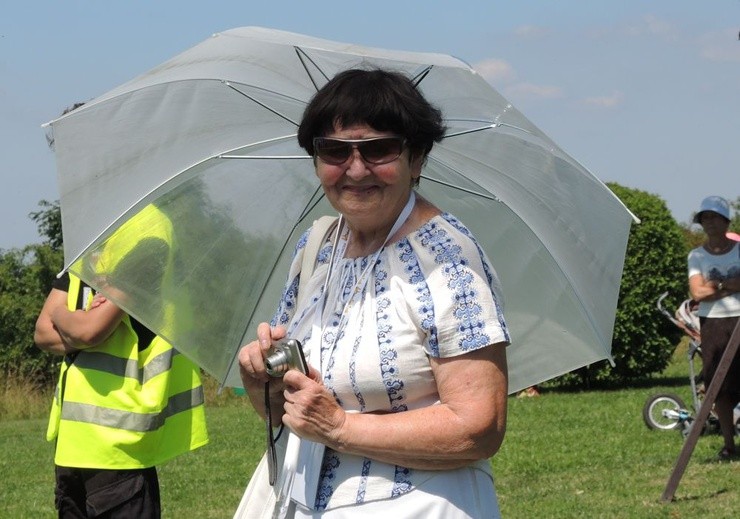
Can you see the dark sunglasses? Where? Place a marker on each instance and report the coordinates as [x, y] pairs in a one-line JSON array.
[[378, 150]]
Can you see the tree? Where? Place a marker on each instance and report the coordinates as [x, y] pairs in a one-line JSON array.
[[655, 262], [25, 277], [735, 222], [49, 222]]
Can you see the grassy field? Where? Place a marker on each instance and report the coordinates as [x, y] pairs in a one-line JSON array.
[[566, 455]]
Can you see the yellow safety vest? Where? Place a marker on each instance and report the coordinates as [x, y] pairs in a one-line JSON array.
[[116, 407]]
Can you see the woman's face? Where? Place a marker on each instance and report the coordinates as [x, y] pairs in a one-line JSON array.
[[370, 196], [713, 223]]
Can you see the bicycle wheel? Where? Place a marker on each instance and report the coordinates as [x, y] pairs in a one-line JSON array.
[[662, 411]]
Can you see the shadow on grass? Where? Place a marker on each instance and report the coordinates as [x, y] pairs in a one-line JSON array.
[[657, 381], [708, 495]]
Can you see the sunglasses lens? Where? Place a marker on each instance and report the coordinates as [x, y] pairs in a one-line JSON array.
[[381, 151], [374, 151], [332, 151]]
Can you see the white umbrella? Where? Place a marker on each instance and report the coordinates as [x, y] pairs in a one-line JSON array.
[[209, 138]]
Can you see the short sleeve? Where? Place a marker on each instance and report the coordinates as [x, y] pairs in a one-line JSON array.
[[61, 283], [694, 263], [463, 310]]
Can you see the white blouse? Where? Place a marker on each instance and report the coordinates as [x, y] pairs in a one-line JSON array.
[[433, 293]]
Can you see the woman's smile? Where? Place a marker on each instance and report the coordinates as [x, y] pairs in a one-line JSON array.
[[370, 196]]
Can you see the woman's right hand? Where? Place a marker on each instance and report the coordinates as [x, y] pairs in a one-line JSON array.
[[253, 373], [252, 356]]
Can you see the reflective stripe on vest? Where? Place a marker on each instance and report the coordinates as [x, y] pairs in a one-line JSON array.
[[129, 368], [131, 421]]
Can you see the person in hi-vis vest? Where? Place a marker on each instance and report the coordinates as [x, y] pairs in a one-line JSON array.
[[126, 400]]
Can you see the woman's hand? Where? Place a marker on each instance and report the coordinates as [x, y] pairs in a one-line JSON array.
[[253, 373], [311, 411], [252, 356]]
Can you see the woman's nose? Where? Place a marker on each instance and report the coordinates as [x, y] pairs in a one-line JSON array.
[[356, 167]]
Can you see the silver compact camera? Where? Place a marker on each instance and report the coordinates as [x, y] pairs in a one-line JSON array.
[[285, 355]]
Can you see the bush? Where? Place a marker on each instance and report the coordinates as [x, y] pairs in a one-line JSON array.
[[25, 278], [655, 262]]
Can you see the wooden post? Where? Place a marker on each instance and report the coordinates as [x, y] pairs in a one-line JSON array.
[[703, 414]]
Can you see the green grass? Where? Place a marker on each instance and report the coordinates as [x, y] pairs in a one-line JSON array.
[[566, 455]]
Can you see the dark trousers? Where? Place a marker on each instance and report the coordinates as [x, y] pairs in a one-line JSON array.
[[109, 494]]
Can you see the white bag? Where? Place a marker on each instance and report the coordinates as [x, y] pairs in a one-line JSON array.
[[259, 500]]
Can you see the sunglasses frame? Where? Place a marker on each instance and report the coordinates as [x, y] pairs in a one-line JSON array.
[[357, 144]]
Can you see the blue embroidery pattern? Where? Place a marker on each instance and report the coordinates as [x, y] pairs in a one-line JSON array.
[[362, 488], [466, 309], [353, 373], [328, 470], [424, 297], [286, 307], [402, 481], [287, 303], [388, 355], [487, 269]]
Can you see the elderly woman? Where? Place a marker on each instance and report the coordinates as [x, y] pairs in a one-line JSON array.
[[714, 281], [402, 326]]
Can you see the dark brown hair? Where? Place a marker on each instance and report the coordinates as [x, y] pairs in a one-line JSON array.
[[385, 100]]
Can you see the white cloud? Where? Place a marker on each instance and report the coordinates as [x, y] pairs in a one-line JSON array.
[[502, 76], [651, 25], [609, 101], [496, 70], [531, 31]]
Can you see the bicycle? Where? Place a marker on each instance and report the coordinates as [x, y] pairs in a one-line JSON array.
[[667, 411]]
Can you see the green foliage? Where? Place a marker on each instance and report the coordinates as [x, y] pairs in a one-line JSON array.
[[25, 279], [692, 236], [735, 222], [655, 263], [49, 222]]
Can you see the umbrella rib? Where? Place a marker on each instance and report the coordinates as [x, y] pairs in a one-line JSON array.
[[464, 190], [303, 57], [491, 126], [260, 103], [422, 75], [264, 157]]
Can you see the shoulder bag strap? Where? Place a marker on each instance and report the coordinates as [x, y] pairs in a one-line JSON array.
[[316, 238]]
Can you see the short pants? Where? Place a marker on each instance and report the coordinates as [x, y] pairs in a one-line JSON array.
[[110, 494]]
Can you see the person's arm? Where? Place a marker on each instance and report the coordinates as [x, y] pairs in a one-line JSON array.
[[45, 335], [703, 290], [468, 424], [61, 331]]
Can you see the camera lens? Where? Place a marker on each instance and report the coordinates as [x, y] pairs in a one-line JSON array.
[[277, 363]]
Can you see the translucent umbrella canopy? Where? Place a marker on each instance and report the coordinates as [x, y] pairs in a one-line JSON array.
[[208, 137]]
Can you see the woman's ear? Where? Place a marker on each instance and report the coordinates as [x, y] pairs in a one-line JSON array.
[[416, 163]]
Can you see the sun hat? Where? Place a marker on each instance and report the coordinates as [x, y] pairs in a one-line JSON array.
[[716, 204]]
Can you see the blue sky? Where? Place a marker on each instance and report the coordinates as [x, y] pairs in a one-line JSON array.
[[643, 93]]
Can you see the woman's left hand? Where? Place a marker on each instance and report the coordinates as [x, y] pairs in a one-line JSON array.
[[311, 411]]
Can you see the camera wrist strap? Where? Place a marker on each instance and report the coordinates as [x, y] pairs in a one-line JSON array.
[[271, 438]]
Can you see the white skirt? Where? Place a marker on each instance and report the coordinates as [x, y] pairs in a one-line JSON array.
[[465, 493]]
